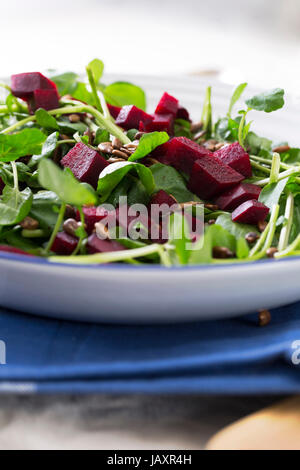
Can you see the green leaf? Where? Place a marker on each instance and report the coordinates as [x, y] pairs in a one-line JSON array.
[[206, 117], [44, 209], [258, 144], [96, 66], [236, 96], [101, 136], [271, 193], [125, 93], [292, 156], [14, 205], [26, 142], [114, 173], [242, 248], [66, 83], [268, 101], [81, 93], [238, 230], [215, 235], [179, 231], [64, 184], [148, 143], [44, 119], [48, 148], [168, 179]]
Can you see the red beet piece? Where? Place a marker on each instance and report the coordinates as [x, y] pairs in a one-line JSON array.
[[250, 212], [236, 196], [1, 185], [96, 245], [92, 215], [64, 244], [130, 117], [181, 153], [161, 122], [235, 156], [183, 113], [46, 99], [114, 110], [12, 249], [167, 105], [210, 177], [24, 84], [85, 163], [161, 197]]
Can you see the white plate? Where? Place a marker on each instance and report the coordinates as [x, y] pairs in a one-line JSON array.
[[133, 294]]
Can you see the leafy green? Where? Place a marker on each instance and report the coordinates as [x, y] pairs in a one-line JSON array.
[[215, 235], [114, 173], [148, 143], [64, 184], [236, 96], [268, 101], [44, 119], [48, 148], [238, 230], [14, 205], [258, 144], [271, 193], [20, 144], [97, 67], [292, 156], [65, 126], [66, 83], [44, 209], [179, 236], [125, 93], [101, 136], [168, 179]]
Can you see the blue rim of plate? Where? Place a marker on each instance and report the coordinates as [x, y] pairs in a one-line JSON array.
[[42, 261]]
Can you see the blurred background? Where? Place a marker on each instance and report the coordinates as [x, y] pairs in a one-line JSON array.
[[253, 40]]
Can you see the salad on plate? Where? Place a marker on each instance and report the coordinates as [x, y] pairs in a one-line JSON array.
[[88, 175]]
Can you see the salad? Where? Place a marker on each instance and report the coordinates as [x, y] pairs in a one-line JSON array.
[[88, 176]]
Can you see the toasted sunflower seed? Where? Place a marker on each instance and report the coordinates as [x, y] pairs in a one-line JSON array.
[[29, 223]]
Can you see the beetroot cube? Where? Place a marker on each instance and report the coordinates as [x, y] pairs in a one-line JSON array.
[[92, 215], [250, 212], [236, 196], [96, 245], [130, 117], [114, 110], [167, 105], [24, 84], [161, 197], [235, 156], [161, 122], [12, 249], [46, 99], [64, 244], [183, 113], [1, 185], [210, 177], [85, 163]]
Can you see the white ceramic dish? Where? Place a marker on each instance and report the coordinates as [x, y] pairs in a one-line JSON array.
[[130, 294]]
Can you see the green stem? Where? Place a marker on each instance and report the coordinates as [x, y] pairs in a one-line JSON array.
[[66, 141], [83, 234], [258, 245], [15, 175], [272, 228], [289, 249], [275, 168], [110, 257], [281, 176], [260, 167], [164, 257], [59, 221], [6, 87], [286, 230], [94, 88], [38, 233]]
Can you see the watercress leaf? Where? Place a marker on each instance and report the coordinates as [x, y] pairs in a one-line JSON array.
[[236, 96], [242, 248], [66, 83], [258, 144], [271, 193], [125, 93], [43, 209], [101, 136], [25, 142], [44, 119], [238, 230], [64, 184], [171, 181], [292, 156], [111, 176], [215, 235], [81, 93], [268, 101], [96, 66], [131, 134], [14, 205], [67, 127], [179, 236], [48, 148], [148, 143], [222, 237]]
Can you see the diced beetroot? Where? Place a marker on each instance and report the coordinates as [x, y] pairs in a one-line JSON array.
[[181, 153], [12, 249], [167, 105], [96, 245], [235, 156], [160, 122], [183, 113], [1, 185], [92, 215], [114, 110], [64, 244], [130, 117], [85, 163], [236, 196], [24, 84], [210, 177], [161, 197], [46, 99], [250, 212]]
